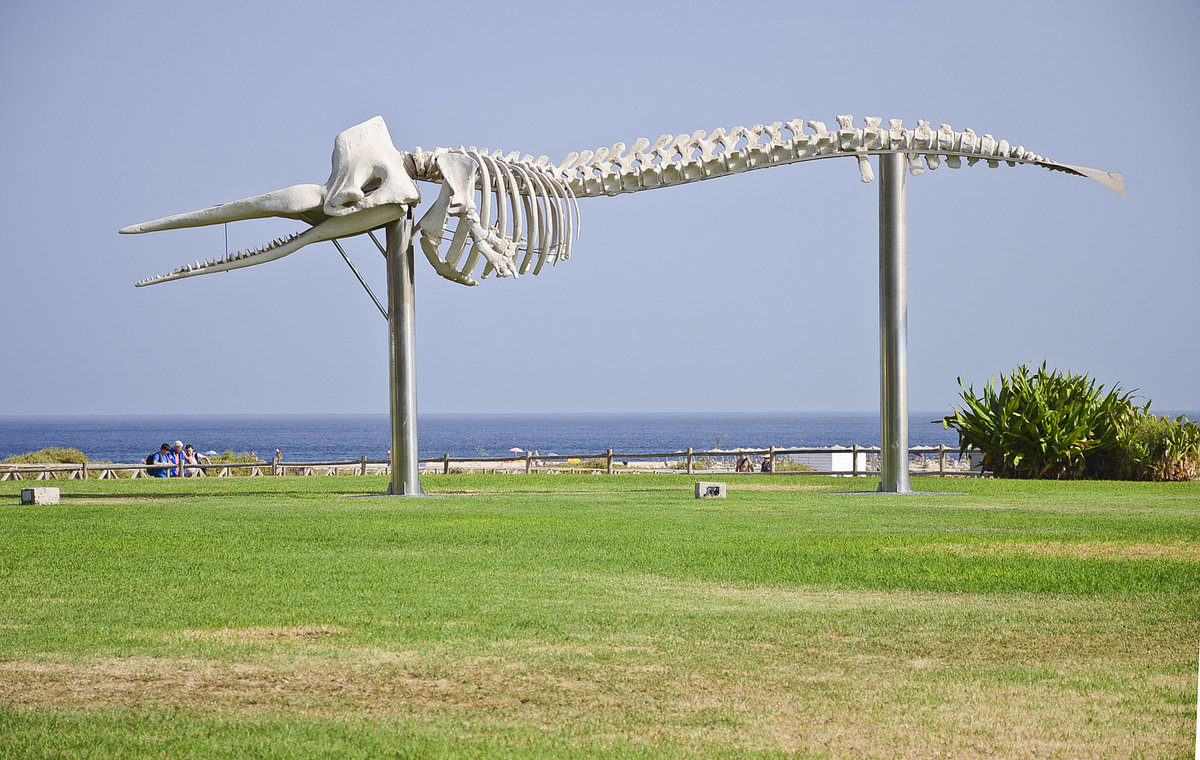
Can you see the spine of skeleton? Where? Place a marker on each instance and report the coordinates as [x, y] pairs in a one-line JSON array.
[[680, 159]]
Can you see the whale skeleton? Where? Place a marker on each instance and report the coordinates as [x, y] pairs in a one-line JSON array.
[[507, 214]]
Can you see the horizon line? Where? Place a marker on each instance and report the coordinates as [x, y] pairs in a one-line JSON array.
[[3, 415]]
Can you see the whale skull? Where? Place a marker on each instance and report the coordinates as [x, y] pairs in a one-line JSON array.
[[369, 186]]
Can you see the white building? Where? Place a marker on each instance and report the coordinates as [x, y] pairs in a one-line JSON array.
[[833, 460]]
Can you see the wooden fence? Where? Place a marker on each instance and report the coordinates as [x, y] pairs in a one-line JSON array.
[[689, 461]]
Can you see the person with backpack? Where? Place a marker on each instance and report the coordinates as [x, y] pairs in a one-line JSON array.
[[163, 456]]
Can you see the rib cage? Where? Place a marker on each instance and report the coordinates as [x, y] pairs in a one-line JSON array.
[[513, 213]]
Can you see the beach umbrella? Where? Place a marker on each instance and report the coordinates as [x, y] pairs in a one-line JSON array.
[[517, 450]]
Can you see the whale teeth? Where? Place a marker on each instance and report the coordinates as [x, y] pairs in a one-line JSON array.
[[228, 260]]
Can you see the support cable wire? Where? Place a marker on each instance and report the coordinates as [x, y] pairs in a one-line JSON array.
[[361, 281], [375, 240]]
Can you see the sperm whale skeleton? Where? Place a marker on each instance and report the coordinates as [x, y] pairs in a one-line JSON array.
[[514, 214], [506, 214]]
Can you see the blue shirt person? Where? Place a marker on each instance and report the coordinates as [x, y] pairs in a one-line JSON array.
[[165, 456]]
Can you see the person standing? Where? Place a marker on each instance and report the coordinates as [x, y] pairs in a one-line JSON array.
[[177, 458]]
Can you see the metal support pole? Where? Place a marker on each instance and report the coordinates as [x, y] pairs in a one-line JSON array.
[[402, 347], [893, 324]]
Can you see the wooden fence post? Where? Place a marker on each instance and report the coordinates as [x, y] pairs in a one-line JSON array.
[[529, 462], [363, 464], [446, 463], [942, 460], [690, 459], [854, 461], [608, 458]]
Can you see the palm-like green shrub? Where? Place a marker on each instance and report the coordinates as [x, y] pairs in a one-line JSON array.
[[1043, 424]]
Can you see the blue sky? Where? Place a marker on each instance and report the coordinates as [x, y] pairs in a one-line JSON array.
[[755, 292]]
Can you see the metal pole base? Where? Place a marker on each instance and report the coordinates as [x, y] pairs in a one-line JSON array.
[[419, 492], [893, 324], [402, 349]]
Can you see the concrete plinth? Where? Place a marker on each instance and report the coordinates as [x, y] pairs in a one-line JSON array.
[[45, 495], [710, 490]]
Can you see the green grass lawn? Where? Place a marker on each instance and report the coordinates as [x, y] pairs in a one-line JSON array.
[[584, 616]]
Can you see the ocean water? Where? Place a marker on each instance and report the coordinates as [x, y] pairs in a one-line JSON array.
[[321, 438], [317, 438]]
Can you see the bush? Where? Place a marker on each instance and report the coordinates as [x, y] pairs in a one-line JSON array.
[[595, 464], [698, 463], [1159, 448], [1045, 424], [787, 464], [231, 458], [49, 456]]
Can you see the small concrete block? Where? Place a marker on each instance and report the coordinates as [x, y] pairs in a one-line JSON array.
[[710, 490], [39, 495]]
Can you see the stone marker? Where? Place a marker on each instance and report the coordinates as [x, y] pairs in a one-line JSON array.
[[710, 490], [46, 495]]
